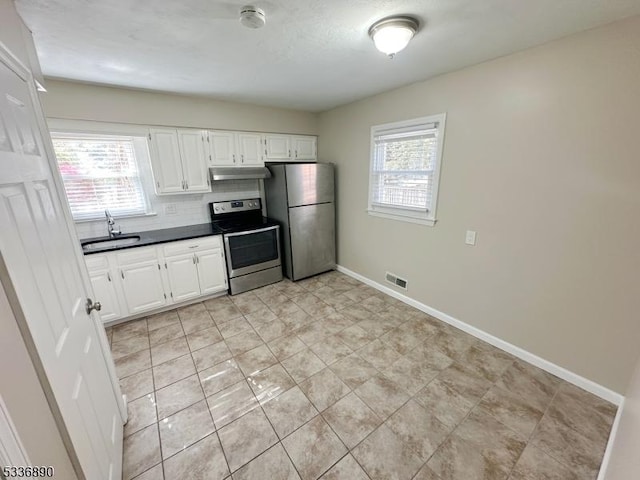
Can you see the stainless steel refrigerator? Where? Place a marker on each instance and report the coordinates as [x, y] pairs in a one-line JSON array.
[[301, 197]]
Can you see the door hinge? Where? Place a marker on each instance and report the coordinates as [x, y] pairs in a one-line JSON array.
[[165, 296], [171, 294], [108, 276], [149, 136], [159, 267]]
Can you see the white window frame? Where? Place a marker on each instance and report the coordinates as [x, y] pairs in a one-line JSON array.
[[141, 149], [408, 214]]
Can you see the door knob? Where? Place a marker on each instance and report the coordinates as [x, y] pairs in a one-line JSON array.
[[90, 306]]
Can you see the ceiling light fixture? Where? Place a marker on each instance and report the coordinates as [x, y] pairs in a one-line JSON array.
[[252, 17], [392, 34]]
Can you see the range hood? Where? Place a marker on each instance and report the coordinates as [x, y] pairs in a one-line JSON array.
[[239, 173]]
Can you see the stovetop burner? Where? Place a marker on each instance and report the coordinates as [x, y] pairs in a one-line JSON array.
[[239, 215]]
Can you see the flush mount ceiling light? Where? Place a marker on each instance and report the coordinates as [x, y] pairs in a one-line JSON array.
[[392, 34], [252, 17]]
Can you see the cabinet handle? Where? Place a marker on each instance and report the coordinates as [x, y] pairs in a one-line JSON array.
[[296, 153], [234, 158], [165, 265], [186, 185], [289, 153], [197, 259], [158, 184], [108, 276], [194, 258], [242, 158], [159, 267], [194, 246], [122, 274]]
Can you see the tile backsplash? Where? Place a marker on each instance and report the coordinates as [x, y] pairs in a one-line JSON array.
[[175, 210]]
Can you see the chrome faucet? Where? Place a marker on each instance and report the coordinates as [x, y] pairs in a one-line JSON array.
[[111, 225]]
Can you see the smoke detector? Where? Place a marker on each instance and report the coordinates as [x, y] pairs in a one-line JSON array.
[[252, 17]]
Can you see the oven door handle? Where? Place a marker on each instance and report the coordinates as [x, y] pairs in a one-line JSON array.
[[250, 232]]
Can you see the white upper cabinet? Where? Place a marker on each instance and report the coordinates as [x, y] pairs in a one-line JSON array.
[[194, 160], [235, 149], [290, 148], [222, 148], [277, 147], [179, 160], [250, 149], [165, 160], [305, 148]]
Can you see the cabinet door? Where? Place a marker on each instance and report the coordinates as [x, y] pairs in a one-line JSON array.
[[277, 147], [183, 277], [194, 160], [211, 271], [142, 285], [165, 160], [304, 148], [250, 149], [222, 149], [105, 293]]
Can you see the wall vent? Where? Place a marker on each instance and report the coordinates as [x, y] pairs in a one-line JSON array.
[[395, 280]]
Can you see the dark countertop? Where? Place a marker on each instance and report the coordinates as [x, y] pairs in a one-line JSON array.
[[153, 237]]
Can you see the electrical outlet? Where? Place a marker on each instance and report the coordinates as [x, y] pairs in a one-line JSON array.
[[470, 238], [170, 209]]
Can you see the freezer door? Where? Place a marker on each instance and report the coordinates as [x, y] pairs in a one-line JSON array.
[[313, 239], [309, 183]]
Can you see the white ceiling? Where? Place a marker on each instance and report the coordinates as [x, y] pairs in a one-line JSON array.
[[311, 55]]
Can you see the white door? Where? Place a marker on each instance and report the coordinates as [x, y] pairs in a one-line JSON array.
[[105, 292], [304, 148], [211, 271], [222, 149], [183, 277], [250, 147], [142, 285], [277, 147], [194, 160], [165, 160], [42, 268]]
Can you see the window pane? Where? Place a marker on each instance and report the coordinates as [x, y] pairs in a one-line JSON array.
[[405, 190], [99, 172]]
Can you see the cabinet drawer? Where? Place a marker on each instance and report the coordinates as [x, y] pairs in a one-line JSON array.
[[137, 255], [97, 263], [194, 245]]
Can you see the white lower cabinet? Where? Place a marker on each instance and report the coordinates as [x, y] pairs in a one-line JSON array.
[[183, 277], [143, 279], [195, 267], [211, 271], [104, 287], [142, 285]]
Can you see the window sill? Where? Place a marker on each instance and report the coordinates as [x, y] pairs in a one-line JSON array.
[[430, 222], [115, 217]]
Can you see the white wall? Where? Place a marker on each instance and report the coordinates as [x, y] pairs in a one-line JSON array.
[[624, 462], [541, 159], [87, 107]]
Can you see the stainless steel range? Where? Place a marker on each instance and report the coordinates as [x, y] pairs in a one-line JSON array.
[[251, 244]]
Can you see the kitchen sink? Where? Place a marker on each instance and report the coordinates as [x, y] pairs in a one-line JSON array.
[[110, 242]]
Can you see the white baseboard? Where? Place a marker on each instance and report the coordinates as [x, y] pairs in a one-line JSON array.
[[522, 354], [612, 437]]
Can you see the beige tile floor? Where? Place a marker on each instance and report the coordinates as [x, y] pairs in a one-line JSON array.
[[329, 378]]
